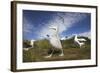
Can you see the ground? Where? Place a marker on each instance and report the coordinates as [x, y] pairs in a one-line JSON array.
[[34, 55], [71, 52]]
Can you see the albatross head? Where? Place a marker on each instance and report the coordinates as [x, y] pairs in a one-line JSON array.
[[75, 36], [54, 30]]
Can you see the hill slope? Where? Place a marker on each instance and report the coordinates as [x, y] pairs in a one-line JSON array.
[[71, 51]]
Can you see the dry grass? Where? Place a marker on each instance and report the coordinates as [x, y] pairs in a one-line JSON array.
[[37, 55], [71, 52]]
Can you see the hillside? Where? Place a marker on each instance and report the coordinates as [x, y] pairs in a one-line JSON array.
[[71, 51]]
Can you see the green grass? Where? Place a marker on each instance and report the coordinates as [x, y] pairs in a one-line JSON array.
[[71, 52], [36, 55]]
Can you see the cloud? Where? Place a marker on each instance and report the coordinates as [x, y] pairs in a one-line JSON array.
[[86, 34], [63, 20], [27, 27]]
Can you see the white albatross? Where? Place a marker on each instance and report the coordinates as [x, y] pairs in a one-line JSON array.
[[79, 41], [31, 44], [55, 41]]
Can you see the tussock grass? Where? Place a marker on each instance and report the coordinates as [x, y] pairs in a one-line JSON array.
[[71, 51]]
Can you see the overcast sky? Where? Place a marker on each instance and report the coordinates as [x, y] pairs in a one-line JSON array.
[[36, 23]]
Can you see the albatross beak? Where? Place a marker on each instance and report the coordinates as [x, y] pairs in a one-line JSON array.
[[52, 28]]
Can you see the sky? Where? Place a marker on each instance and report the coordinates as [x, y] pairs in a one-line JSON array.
[[36, 24]]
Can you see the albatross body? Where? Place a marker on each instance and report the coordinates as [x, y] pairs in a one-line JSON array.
[[79, 41], [55, 41]]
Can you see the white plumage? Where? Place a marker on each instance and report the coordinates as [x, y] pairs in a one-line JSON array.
[[79, 41], [55, 40], [26, 49], [32, 45]]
